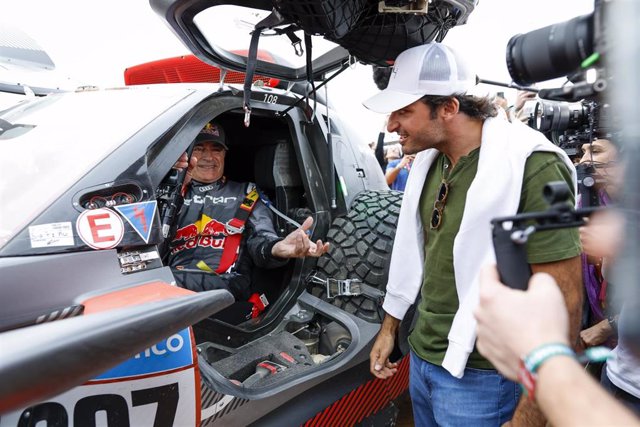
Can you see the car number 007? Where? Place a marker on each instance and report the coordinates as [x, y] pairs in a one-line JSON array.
[[270, 99], [114, 406]]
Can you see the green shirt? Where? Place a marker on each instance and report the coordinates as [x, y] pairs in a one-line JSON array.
[[439, 301]]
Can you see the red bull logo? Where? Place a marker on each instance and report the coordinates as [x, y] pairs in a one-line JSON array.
[[205, 226], [206, 232], [214, 228], [186, 233]]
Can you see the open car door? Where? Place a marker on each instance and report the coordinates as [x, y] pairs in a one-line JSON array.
[[217, 31]]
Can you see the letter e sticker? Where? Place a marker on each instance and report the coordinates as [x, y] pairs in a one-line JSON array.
[[100, 228]]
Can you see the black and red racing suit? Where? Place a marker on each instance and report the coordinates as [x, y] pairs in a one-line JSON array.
[[197, 245]]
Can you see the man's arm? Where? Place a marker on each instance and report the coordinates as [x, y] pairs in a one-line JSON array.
[[261, 236], [593, 406], [379, 152], [392, 172], [512, 323], [568, 275], [379, 363]]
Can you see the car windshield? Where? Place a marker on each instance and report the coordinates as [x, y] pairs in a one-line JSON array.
[[51, 142], [228, 30]]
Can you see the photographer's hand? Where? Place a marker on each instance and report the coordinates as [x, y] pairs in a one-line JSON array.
[[522, 97]]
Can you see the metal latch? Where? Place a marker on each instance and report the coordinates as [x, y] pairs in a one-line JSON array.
[[232, 229], [338, 288]]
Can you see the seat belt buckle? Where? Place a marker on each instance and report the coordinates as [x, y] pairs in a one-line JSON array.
[[233, 229]]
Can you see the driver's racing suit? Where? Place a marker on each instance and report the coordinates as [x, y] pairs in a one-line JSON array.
[[197, 245]]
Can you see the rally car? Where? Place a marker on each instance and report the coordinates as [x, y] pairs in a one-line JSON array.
[[93, 330]]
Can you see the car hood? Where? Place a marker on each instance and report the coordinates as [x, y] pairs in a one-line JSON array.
[[48, 143]]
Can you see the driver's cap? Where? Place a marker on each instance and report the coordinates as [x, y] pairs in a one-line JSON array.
[[429, 69], [213, 132]]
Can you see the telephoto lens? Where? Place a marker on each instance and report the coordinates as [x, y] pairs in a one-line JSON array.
[[559, 116], [550, 52]]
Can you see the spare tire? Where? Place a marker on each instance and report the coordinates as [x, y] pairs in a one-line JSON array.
[[380, 37], [361, 245], [331, 18]]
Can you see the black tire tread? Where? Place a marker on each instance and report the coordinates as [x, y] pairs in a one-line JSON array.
[[361, 244]]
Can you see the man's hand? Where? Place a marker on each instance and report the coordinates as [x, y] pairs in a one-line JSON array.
[[408, 158], [184, 162], [379, 363], [298, 245], [511, 323], [522, 97], [597, 334]]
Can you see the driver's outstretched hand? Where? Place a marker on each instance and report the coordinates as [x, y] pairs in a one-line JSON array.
[[298, 245]]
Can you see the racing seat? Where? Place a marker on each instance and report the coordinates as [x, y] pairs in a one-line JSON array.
[[278, 176]]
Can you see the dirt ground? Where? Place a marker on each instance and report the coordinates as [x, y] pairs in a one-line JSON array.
[[405, 415]]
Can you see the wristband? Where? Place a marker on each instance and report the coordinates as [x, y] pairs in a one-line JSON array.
[[539, 355], [530, 364]]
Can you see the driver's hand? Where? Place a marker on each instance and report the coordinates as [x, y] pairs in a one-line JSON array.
[[298, 245], [182, 162]]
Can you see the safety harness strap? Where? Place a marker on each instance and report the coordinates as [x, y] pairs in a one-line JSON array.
[[235, 228]]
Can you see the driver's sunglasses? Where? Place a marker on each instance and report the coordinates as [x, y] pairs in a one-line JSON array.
[[438, 205]]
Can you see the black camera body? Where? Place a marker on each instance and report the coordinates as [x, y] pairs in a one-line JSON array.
[[574, 113]]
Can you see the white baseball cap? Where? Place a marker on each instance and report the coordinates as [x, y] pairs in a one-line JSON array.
[[428, 69]]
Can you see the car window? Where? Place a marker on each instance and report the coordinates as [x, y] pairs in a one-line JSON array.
[[228, 30]]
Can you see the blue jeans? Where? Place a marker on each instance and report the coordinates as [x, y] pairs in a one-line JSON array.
[[481, 397]]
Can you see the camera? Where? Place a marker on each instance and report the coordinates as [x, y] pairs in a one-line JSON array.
[[578, 112], [574, 49], [570, 125]]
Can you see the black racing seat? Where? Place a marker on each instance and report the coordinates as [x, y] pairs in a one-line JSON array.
[[278, 176]]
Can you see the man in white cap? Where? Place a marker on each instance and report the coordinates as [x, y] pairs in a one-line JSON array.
[[470, 167]]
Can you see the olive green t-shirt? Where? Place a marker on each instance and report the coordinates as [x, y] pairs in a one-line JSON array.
[[439, 301]]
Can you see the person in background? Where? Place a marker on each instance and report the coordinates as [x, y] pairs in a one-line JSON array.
[[599, 321], [378, 150], [602, 239], [392, 152], [458, 183], [398, 171]]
